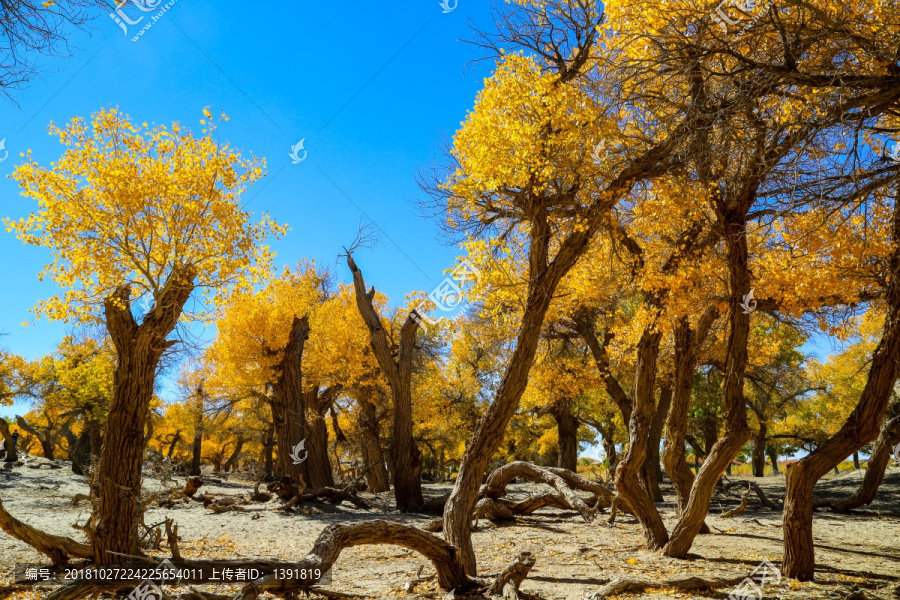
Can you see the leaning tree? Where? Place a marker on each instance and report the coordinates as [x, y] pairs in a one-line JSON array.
[[133, 212]]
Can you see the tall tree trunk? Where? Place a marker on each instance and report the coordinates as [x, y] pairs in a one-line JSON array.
[[81, 454], [860, 428], [687, 340], [319, 464], [370, 446], [197, 444], [289, 408], [878, 462], [567, 430], [737, 431], [856, 460], [759, 451], [138, 350], [95, 434], [652, 471], [773, 458], [628, 480], [268, 460], [406, 459]]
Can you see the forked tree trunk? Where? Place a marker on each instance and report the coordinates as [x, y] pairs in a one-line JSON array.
[[628, 480], [288, 406], [406, 459], [737, 431], [759, 451], [878, 462], [860, 428], [138, 350], [370, 445], [231, 463], [773, 458], [543, 279], [567, 430], [652, 471], [173, 443]]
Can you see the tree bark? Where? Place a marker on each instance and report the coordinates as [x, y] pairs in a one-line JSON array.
[[370, 446], [687, 340], [567, 431], [138, 350], [860, 428], [319, 465], [8, 443], [773, 458], [288, 406], [406, 459], [759, 451], [46, 440], [628, 480], [231, 463], [197, 444], [878, 462], [652, 472], [267, 458], [737, 431]]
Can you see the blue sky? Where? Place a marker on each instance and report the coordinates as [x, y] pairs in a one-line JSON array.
[[373, 88]]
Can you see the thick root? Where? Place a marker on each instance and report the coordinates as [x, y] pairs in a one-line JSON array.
[[58, 548]]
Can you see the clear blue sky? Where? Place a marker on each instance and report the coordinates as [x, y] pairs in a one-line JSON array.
[[372, 87]]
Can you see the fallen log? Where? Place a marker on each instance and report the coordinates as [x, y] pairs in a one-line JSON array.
[[495, 487], [325, 552], [58, 548], [636, 585]]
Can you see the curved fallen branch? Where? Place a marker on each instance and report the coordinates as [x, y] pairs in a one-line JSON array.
[[58, 548], [325, 552], [626, 585], [755, 487], [559, 479], [738, 509]]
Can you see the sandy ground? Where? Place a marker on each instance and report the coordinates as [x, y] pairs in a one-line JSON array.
[[574, 558]]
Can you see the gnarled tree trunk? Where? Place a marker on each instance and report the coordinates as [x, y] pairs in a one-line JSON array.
[[759, 450], [567, 430], [8, 444], [138, 350], [737, 431], [878, 462], [370, 445], [652, 471], [319, 465], [406, 459], [288, 406], [628, 480], [860, 428]]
